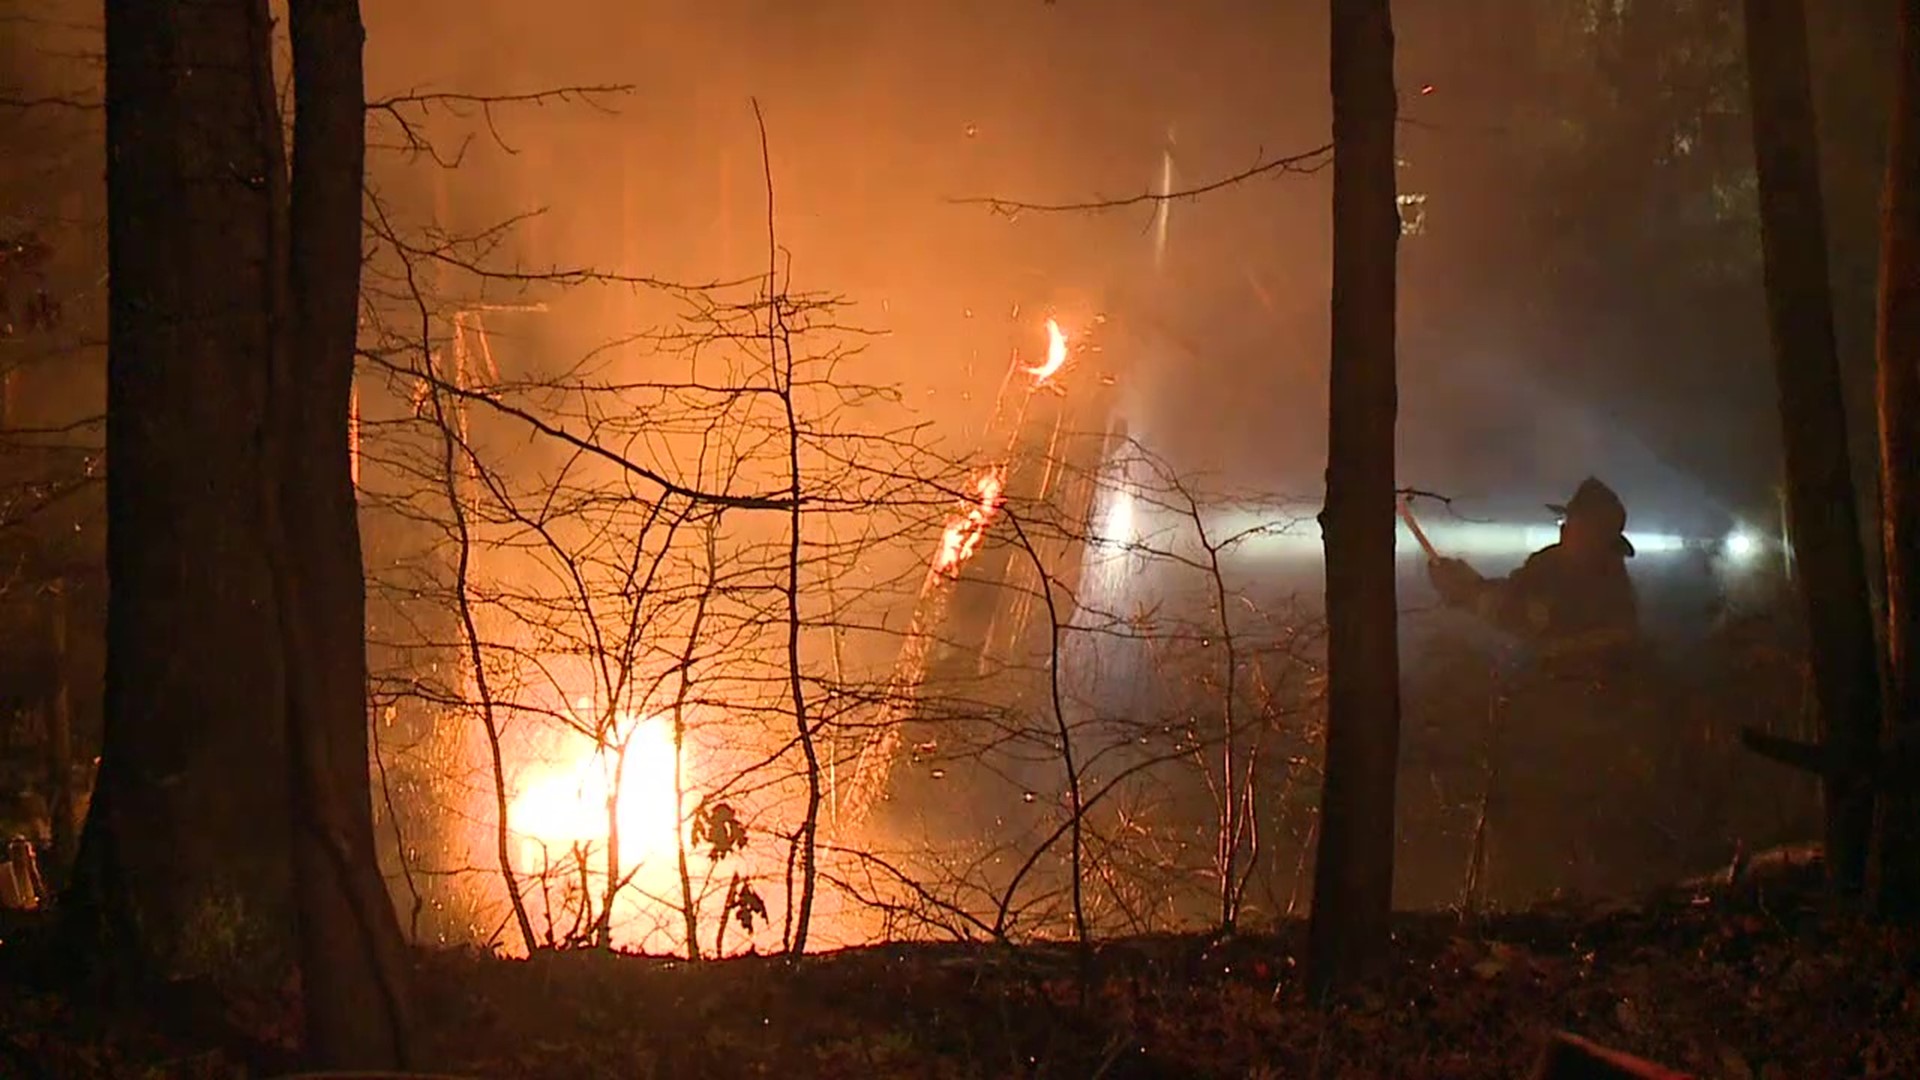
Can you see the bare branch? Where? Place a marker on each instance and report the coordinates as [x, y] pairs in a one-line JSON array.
[[1305, 164]]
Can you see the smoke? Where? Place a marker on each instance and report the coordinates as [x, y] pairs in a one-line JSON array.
[[1537, 347]]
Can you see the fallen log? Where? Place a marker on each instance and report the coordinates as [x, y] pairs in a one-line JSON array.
[[1570, 1057], [371, 1076], [1893, 767]]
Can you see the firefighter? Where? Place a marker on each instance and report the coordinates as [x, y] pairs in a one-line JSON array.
[[1569, 746], [1570, 598]]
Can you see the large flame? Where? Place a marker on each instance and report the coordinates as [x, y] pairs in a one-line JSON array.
[[1056, 354], [557, 812], [963, 534], [562, 803]]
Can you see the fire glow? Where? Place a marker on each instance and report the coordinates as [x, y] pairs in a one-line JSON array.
[[562, 803], [1056, 354], [558, 802], [963, 535]]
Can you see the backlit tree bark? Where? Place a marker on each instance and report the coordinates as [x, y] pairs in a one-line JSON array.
[[1897, 861], [353, 959], [232, 821], [183, 869], [1823, 516], [1353, 873]]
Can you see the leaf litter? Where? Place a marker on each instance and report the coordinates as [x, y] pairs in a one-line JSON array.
[[1749, 982]]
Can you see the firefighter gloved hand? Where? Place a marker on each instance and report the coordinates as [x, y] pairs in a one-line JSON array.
[[1455, 581]]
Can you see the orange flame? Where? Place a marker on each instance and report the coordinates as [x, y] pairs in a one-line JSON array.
[[562, 802], [963, 534], [353, 434], [1056, 354]]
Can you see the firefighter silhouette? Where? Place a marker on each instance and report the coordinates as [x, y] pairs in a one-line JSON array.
[[1570, 598], [1574, 749]]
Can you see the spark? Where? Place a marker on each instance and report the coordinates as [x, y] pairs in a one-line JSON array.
[[963, 534], [1056, 354]]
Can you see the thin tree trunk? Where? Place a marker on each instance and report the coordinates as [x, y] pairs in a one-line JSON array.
[[60, 741], [1353, 873], [353, 958], [182, 869], [780, 366], [1897, 861], [452, 447], [689, 902], [1823, 516]]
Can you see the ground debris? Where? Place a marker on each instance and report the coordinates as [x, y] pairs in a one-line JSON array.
[[1728, 982]]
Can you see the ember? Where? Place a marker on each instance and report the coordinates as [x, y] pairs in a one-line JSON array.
[[963, 535], [1056, 354]]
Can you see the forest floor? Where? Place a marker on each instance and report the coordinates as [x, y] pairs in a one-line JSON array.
[[1754, 980]]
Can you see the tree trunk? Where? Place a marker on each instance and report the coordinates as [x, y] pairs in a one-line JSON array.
[[60, 741], [183, 868], [236, 673], [353, 959], [1353, 874], [1823, 516], [1897, 862]]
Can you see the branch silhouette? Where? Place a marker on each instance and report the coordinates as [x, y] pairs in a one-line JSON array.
[[1302, 164]]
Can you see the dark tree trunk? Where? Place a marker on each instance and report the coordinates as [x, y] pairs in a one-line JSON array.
[[1897, 862], [1823, 516], [236, 672], [353, 960], [1353, 874], [183, 867]]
